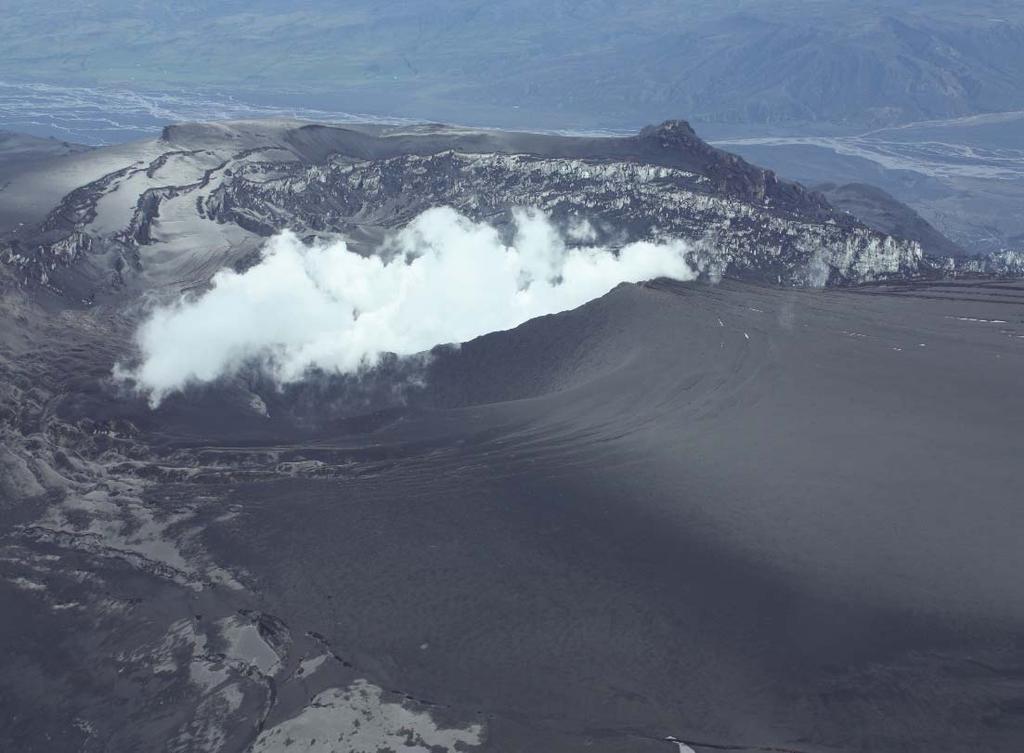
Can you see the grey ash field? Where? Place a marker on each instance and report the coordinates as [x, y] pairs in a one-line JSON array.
[[750, 515]]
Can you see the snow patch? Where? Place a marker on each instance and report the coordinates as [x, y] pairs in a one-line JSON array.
[[358, 718]]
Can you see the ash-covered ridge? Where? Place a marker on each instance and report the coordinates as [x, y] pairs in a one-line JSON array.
[[202, 196]]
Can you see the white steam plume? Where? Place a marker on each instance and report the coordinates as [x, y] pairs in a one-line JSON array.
[[443, 279]]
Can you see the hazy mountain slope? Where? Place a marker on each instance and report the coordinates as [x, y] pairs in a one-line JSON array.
[[964, 176], [560, 63], [883, 212], [16, 148]]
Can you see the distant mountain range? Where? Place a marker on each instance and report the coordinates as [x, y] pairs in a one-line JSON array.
[[558, 64]]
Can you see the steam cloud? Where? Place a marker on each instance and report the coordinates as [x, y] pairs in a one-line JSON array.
[[443, 279]]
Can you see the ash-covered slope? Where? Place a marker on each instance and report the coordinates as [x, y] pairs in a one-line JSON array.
[[17, 148], [175, 209], [744, 517]]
